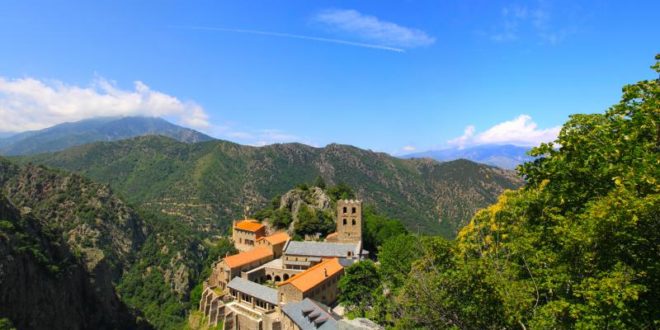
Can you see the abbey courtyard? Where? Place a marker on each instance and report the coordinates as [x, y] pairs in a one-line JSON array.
[[277, 283]]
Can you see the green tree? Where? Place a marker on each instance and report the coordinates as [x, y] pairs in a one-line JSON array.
[[358, 287], [378, 229], [311, 221], [341, 191], [396, 257], [577, 247], [319, 182]]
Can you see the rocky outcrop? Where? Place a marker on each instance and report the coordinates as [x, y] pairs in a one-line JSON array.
[[42, 286], [313, 197]]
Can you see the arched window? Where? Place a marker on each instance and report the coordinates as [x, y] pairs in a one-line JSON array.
[[353, 222], [286, 277], [344, 221], [277, 278]]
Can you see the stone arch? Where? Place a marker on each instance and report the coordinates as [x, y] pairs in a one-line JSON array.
[[286, 277], [269, 277], [277, 278]]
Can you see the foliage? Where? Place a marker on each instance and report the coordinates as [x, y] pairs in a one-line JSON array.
[[320, 182], [358, 286], [378, 229], [5, 324], [576, 248], [311, 221], [341, 191], [396, 257]]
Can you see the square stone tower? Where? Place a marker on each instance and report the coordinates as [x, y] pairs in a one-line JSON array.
[[349, 220]]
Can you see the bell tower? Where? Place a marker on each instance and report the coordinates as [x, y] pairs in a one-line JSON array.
[[349, 220]]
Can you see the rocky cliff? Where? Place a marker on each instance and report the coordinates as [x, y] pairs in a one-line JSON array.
[[43, 285]]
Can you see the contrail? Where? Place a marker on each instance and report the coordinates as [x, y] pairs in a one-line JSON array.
[[292, 36]]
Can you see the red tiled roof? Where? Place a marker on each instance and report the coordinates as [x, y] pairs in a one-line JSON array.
[[249, 225], [277, 238], [311, 277], [245, 258]]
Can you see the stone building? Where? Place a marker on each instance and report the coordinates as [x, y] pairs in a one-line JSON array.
[[318, 282], [275, 242], [349, 222], [240, 292], [234, 266], [245, 234], [302, 255], [308, 314], [253, 306]]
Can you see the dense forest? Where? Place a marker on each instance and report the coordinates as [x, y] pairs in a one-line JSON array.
[[577, 247]]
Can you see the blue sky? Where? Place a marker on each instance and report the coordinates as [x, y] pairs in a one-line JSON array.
[[388, 76]]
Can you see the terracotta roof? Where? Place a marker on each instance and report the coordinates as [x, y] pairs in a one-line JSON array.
[[314, 275], [249, 225], [277, 238], [332, 235], [245, 258]]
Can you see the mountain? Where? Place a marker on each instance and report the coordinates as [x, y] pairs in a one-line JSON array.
[[503, 156], [208, 184], [64, 241], [67, 135]]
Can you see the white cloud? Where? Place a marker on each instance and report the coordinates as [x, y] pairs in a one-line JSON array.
[[522, 131], [408, 148], [260, 137], [373, 29], [517, 22], [31, 104]]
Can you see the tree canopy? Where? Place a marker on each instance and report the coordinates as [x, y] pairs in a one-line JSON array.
[[577, 247]]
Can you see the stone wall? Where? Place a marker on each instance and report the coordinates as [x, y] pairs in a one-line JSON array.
[[349, 221]]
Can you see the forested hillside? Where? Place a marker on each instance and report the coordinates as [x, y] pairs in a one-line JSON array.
[[208, 184]]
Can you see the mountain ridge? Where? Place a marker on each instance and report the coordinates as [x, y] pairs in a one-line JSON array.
[[71, 134], [210, 182], [506, 156]]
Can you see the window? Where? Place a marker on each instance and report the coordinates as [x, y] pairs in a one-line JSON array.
[[353, 210], [353, 222], [344, 221], [345, 209]]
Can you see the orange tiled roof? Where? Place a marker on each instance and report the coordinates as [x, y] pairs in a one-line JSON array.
[[332, 235], [311, 277], [277, 238], [249, 225], [245, 258]]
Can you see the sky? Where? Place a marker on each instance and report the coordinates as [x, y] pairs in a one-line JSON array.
[[395, 76]]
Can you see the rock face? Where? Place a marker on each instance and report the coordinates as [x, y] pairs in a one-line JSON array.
[[43, 287], [64, 243], [96, 225], [313, 197]]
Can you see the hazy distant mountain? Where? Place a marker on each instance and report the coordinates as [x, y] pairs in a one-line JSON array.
[[67, 135], [504, 156]]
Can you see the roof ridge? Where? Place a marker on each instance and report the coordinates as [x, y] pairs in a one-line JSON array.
[[309, 270]]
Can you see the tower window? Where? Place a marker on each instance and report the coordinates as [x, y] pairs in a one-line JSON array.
[[345, 209], [353, 210], [353, 222], [344, 221]]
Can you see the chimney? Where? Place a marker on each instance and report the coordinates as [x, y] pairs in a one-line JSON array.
[[325, 271]]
